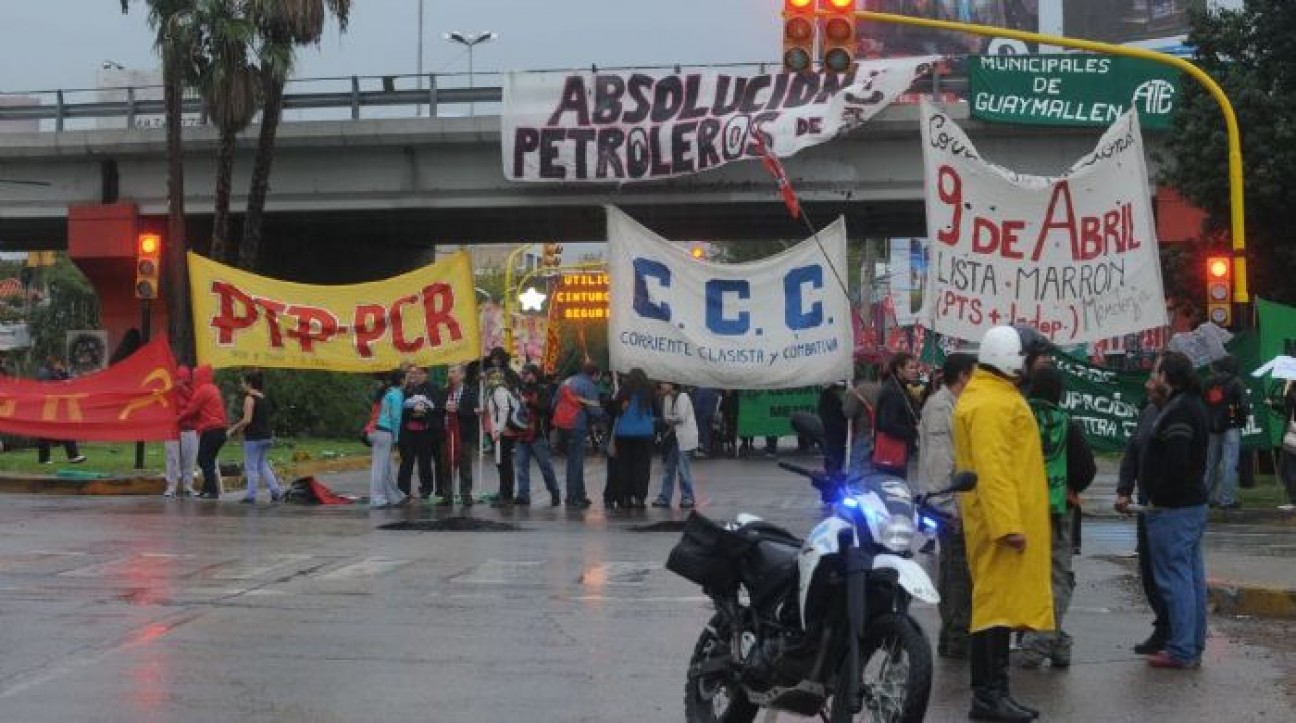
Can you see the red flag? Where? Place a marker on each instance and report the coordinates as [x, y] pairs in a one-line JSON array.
[[775, 168], [130, 400]]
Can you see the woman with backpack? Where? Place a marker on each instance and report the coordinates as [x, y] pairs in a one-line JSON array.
[[256, 429], [501, 405], [632, 435]]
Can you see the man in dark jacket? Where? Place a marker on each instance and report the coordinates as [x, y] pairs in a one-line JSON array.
[[1128, 484], [834, 427], [53, 370], [1172, 470], [421, 433], [461, 407], [1226, 399], [534, 442]]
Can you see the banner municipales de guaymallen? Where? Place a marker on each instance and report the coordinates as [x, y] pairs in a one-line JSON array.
[[1074, 256], [427, 316], [613, 127], [775, 323]]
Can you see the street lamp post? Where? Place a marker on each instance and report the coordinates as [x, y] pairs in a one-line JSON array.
[[418, 109], [470, 41]]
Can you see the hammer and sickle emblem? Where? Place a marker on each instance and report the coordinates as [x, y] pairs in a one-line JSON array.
[[156, 395]]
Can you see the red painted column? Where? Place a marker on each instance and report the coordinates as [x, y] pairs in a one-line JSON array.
[[101, 242]]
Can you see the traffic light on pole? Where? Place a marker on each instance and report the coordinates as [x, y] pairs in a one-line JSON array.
[[148, 265], [837, 41], [798, 35], [1219, 290]]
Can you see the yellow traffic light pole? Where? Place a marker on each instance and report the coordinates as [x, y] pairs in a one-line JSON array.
[[1237, 210], [508, 295]]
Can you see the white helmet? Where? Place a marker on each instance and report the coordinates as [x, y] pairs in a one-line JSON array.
[[1001, 349]]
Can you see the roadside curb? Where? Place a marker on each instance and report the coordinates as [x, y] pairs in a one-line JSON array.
[[153, 484], [1229, 598]]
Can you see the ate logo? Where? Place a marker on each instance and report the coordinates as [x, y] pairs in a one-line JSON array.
[[1155, 97]]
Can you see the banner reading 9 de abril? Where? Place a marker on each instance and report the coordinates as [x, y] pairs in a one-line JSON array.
[[1074, 256], [427, 316], [619, 126]]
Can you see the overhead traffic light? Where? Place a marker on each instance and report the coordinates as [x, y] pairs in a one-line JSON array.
[[798, 35], [148, 265], [1219, 290], [837, 41], [551, 255], [697, 252]]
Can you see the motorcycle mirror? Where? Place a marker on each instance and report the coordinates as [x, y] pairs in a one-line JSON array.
[[963, 482], [808, 425]]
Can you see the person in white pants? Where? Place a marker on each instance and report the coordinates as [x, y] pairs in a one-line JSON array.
[[182, 453]]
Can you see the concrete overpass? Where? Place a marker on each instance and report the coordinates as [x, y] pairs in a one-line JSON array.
[[393, 188]]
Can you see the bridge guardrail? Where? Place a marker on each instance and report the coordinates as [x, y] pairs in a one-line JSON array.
[[336, 98]]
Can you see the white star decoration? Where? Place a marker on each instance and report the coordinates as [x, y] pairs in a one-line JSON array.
[[532, 300]]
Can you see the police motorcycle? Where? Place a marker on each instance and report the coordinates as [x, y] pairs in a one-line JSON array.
[[821, 626]]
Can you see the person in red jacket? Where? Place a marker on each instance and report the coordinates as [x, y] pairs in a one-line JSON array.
[[205, 413]]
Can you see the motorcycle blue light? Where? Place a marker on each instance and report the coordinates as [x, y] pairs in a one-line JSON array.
[[850, 502], [928, 523]]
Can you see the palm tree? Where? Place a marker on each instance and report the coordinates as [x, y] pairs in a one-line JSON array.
[[167, 18], [226, 78], [282, 25]]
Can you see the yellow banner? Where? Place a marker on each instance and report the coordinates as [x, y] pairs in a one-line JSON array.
[[428, 316]]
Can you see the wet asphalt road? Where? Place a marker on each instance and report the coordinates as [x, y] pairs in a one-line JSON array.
[[130, 609]]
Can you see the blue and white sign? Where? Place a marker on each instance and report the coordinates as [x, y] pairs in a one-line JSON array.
[[776, 323]]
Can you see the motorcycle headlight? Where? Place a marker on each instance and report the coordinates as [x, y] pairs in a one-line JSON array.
[[897, 534]]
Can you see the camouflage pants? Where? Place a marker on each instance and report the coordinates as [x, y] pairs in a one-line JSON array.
[[1054, 645], [954, 582]]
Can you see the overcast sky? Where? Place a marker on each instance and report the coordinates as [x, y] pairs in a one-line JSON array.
[[46, 44]]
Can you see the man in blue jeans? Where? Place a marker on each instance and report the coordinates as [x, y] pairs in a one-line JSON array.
[[1173, 471], [576, 401], [1226, 400]]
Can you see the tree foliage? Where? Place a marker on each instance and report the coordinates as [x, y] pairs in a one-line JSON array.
[[1251, 52], [72, 306], [330, 405]]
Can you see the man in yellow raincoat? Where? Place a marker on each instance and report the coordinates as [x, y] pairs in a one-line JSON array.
[[1005, 519]]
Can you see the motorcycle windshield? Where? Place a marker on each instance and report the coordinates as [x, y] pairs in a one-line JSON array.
[[892, 491]]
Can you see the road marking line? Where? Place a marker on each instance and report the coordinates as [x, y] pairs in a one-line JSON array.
[[368, 567], [246, 570], [501, 572]]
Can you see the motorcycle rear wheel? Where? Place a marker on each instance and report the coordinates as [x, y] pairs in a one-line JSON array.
[[896, 674], [716, 698]]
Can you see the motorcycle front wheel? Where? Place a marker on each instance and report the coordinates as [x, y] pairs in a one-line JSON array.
[[714, 697], [895, 674]]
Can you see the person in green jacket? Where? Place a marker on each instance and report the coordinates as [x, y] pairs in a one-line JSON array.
[[1069, 467]]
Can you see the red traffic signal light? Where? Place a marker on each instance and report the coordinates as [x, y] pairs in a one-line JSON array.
[[798, 35], [1219, 290], [838, 40], [148, 265]]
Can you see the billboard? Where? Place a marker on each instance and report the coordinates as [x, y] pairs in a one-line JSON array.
[[884, 40]]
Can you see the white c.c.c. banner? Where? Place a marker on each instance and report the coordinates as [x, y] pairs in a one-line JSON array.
[[776, 323], [1074, 256]]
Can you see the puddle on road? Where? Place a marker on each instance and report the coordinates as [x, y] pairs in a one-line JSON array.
[[450, 524]]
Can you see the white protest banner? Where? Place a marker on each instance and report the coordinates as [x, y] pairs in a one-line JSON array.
[[1074, 256], [776, 323], [619, 126]]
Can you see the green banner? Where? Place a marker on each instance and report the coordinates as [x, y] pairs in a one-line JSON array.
[[769, 413], [1107, 403], [1071, 90], [1277, 329]]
